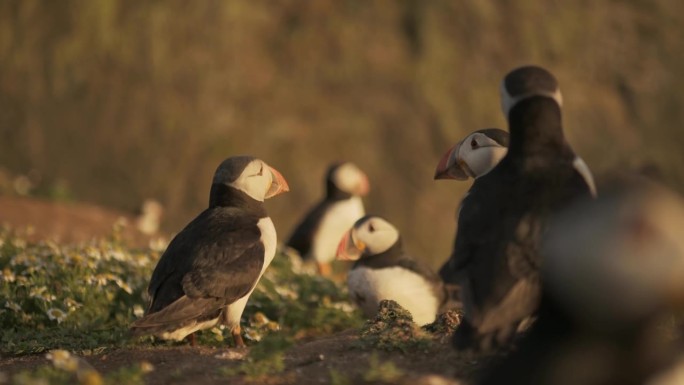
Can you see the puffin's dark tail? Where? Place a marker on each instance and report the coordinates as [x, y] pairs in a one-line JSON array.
[[180, 312]]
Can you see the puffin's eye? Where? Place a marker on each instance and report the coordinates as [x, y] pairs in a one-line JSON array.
[[473, 144], [371, 228], [261, 170]]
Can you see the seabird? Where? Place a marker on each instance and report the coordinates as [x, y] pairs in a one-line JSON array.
[[496, 257], [209, 269], [383, 270], [317, 235], [473, 156]]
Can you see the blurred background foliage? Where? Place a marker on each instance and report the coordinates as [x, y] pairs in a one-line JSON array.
[[113, 102]]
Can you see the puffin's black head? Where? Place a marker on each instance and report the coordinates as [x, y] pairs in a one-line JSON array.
[[248, 176], [525, 82], [344, 180], [370, 235], [473, 156]]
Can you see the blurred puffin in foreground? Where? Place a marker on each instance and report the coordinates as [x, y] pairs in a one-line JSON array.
[[613, 272], [496, 256], [316, 237], [383, 270], [209, 269]]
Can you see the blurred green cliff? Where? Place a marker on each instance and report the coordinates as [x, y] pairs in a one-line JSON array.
[[113, 102]]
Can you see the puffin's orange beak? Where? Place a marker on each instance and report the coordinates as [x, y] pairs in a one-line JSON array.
[[278, 185], [349, 249], [446, 168], [364, 186]]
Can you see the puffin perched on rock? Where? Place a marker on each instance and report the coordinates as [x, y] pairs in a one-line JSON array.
[[316, 237], [209, 269], [383, 271], [613, 272], [496, 256]]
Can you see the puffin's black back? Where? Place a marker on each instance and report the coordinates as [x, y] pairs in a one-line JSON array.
[[505, 213], [225, 233]]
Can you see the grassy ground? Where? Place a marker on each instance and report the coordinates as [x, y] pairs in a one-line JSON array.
[[65, 310]]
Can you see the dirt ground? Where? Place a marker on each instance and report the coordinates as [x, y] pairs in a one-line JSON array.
[[306, 363]]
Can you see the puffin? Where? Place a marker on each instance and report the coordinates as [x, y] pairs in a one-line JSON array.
[[496, 259], [474, 155], [211, 267], [478, 153], [383, 270], [317, 235], [613, 272]]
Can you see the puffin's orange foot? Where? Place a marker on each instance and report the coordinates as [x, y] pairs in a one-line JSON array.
[[237, 337], [324, 269]]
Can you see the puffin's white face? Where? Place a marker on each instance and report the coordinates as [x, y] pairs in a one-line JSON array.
[[259, 181], [472, 157], [351, 179], [369, 236], [480, 153], [508, 100]]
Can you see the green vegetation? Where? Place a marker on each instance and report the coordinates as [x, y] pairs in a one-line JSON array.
[[82, 299]]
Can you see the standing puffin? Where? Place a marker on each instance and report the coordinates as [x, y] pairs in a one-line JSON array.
[[474, 156], [613, 271], [384, 271], [477, 154], [211, 267], [316, 237], [496, 253]]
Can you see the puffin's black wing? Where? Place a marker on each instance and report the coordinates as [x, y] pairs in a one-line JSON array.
[[302, 237], [218, 256]]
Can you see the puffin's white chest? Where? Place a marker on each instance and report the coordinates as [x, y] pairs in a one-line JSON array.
[[233, 312], [414, 293], [269, 239], [339, 218]]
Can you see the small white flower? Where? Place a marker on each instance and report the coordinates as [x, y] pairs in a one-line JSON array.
[[55, 314], [13, 306], [40, 292], [123, 285], [72, 304], [8, 275], [138, 311]]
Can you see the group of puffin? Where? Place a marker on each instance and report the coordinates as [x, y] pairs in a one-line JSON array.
[[567, 282]]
